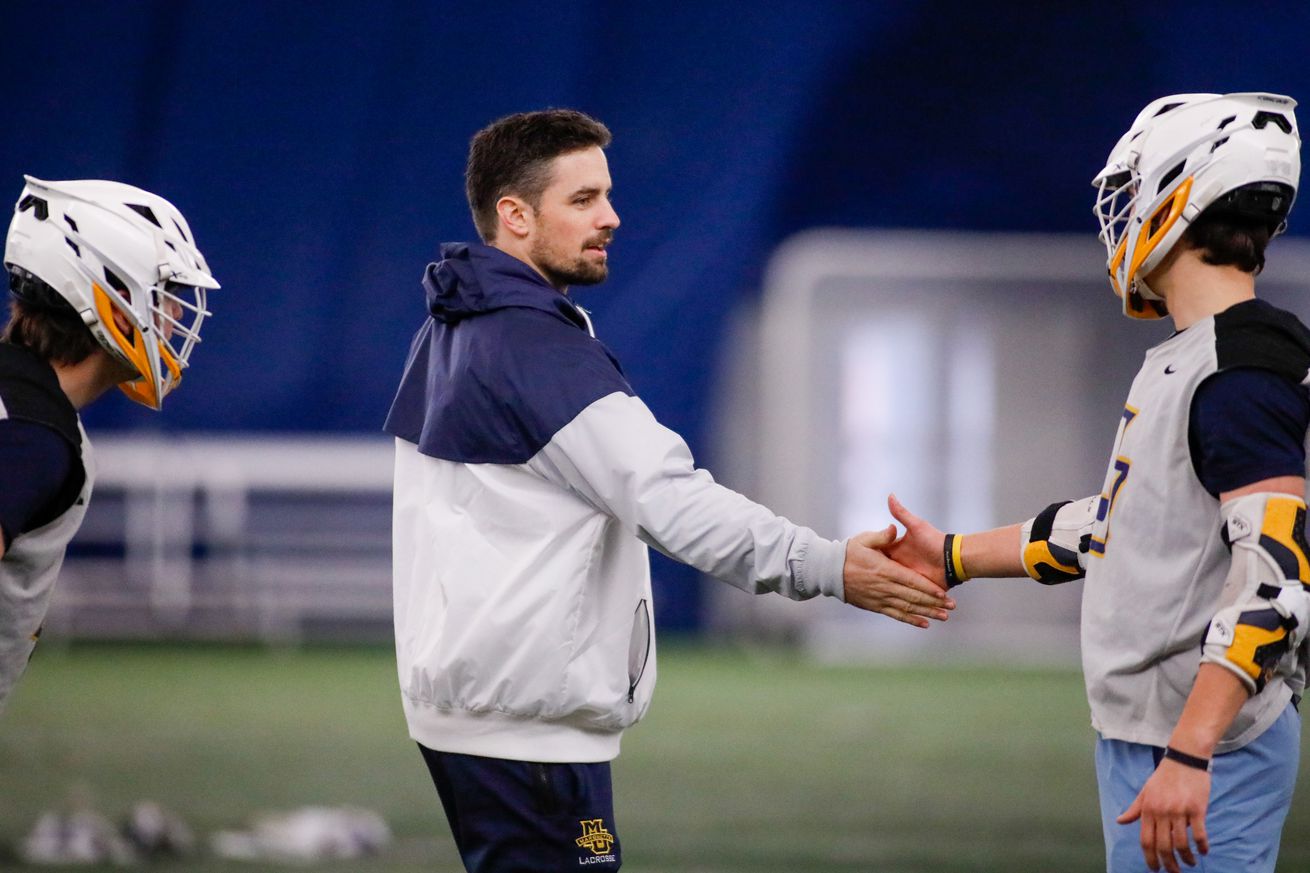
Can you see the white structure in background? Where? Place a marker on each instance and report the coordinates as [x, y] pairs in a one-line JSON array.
[[269, 537], [978, 376]]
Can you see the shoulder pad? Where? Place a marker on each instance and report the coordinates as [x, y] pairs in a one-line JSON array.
[[29, 391], [1257, 334]]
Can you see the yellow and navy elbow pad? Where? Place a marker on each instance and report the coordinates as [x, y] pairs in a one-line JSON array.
[[1257, 635], [1054, 543]]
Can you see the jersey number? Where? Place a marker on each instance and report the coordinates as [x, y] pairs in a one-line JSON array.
[[1115, 480]]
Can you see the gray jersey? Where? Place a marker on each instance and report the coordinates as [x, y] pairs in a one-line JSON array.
[[1157, 562], [29, 391]]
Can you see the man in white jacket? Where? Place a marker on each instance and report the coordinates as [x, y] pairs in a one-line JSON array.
[[530, 480]]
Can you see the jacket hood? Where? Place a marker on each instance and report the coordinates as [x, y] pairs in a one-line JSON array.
[[495, 389], [472, 279]]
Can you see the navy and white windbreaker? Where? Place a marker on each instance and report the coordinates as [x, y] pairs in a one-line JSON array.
[[529, 481]]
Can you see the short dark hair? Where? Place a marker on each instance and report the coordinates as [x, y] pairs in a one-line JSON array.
[[44, 323], [1235, 229], [1226, 239], [512, 155]]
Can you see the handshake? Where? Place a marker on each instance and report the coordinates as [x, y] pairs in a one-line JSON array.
[[903, 578]]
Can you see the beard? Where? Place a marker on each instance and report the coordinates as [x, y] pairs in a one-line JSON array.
[[563, 270]]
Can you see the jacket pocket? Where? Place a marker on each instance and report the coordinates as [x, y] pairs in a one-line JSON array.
[[638, 648]]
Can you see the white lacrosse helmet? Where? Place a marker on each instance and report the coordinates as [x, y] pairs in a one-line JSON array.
[[1182, 154], [106, 247]]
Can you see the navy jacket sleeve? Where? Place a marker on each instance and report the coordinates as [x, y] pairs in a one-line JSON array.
[[35, 463]]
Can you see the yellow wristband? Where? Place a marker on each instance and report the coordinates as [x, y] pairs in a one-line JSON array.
[[957, 559], [953, 563]]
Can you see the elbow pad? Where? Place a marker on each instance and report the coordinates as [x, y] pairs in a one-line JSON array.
[[1053, 545], [1265, 607]]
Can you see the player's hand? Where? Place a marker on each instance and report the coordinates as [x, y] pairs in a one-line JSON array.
[[877, 583], [1171, 801], [921, 548]]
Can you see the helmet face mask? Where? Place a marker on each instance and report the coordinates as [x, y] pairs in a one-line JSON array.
[[174, 314], [1183, 154], [126, 262], [1117, 196]]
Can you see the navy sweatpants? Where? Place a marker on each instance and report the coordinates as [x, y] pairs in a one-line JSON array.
[[524, 817]]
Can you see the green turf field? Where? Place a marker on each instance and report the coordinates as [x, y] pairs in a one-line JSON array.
[[749, 761]]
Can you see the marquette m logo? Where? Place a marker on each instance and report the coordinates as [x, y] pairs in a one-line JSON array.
[[595, 837]]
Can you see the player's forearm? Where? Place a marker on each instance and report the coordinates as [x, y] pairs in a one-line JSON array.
[[993, 553], [1215, 700]]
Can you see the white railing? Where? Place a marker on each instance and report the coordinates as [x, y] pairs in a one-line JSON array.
[[267, 537]]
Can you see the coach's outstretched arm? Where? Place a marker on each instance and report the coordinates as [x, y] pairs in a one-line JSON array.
[[618, 458]]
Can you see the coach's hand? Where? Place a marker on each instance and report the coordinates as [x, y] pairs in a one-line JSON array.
[[1171, 801], [875, 582]]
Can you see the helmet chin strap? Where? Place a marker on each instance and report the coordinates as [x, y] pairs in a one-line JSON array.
[[1148, 293], [1142, 303]]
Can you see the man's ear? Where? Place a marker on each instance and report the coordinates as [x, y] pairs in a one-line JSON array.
[[516, 216]]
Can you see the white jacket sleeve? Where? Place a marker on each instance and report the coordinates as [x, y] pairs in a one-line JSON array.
[[618, 458]]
